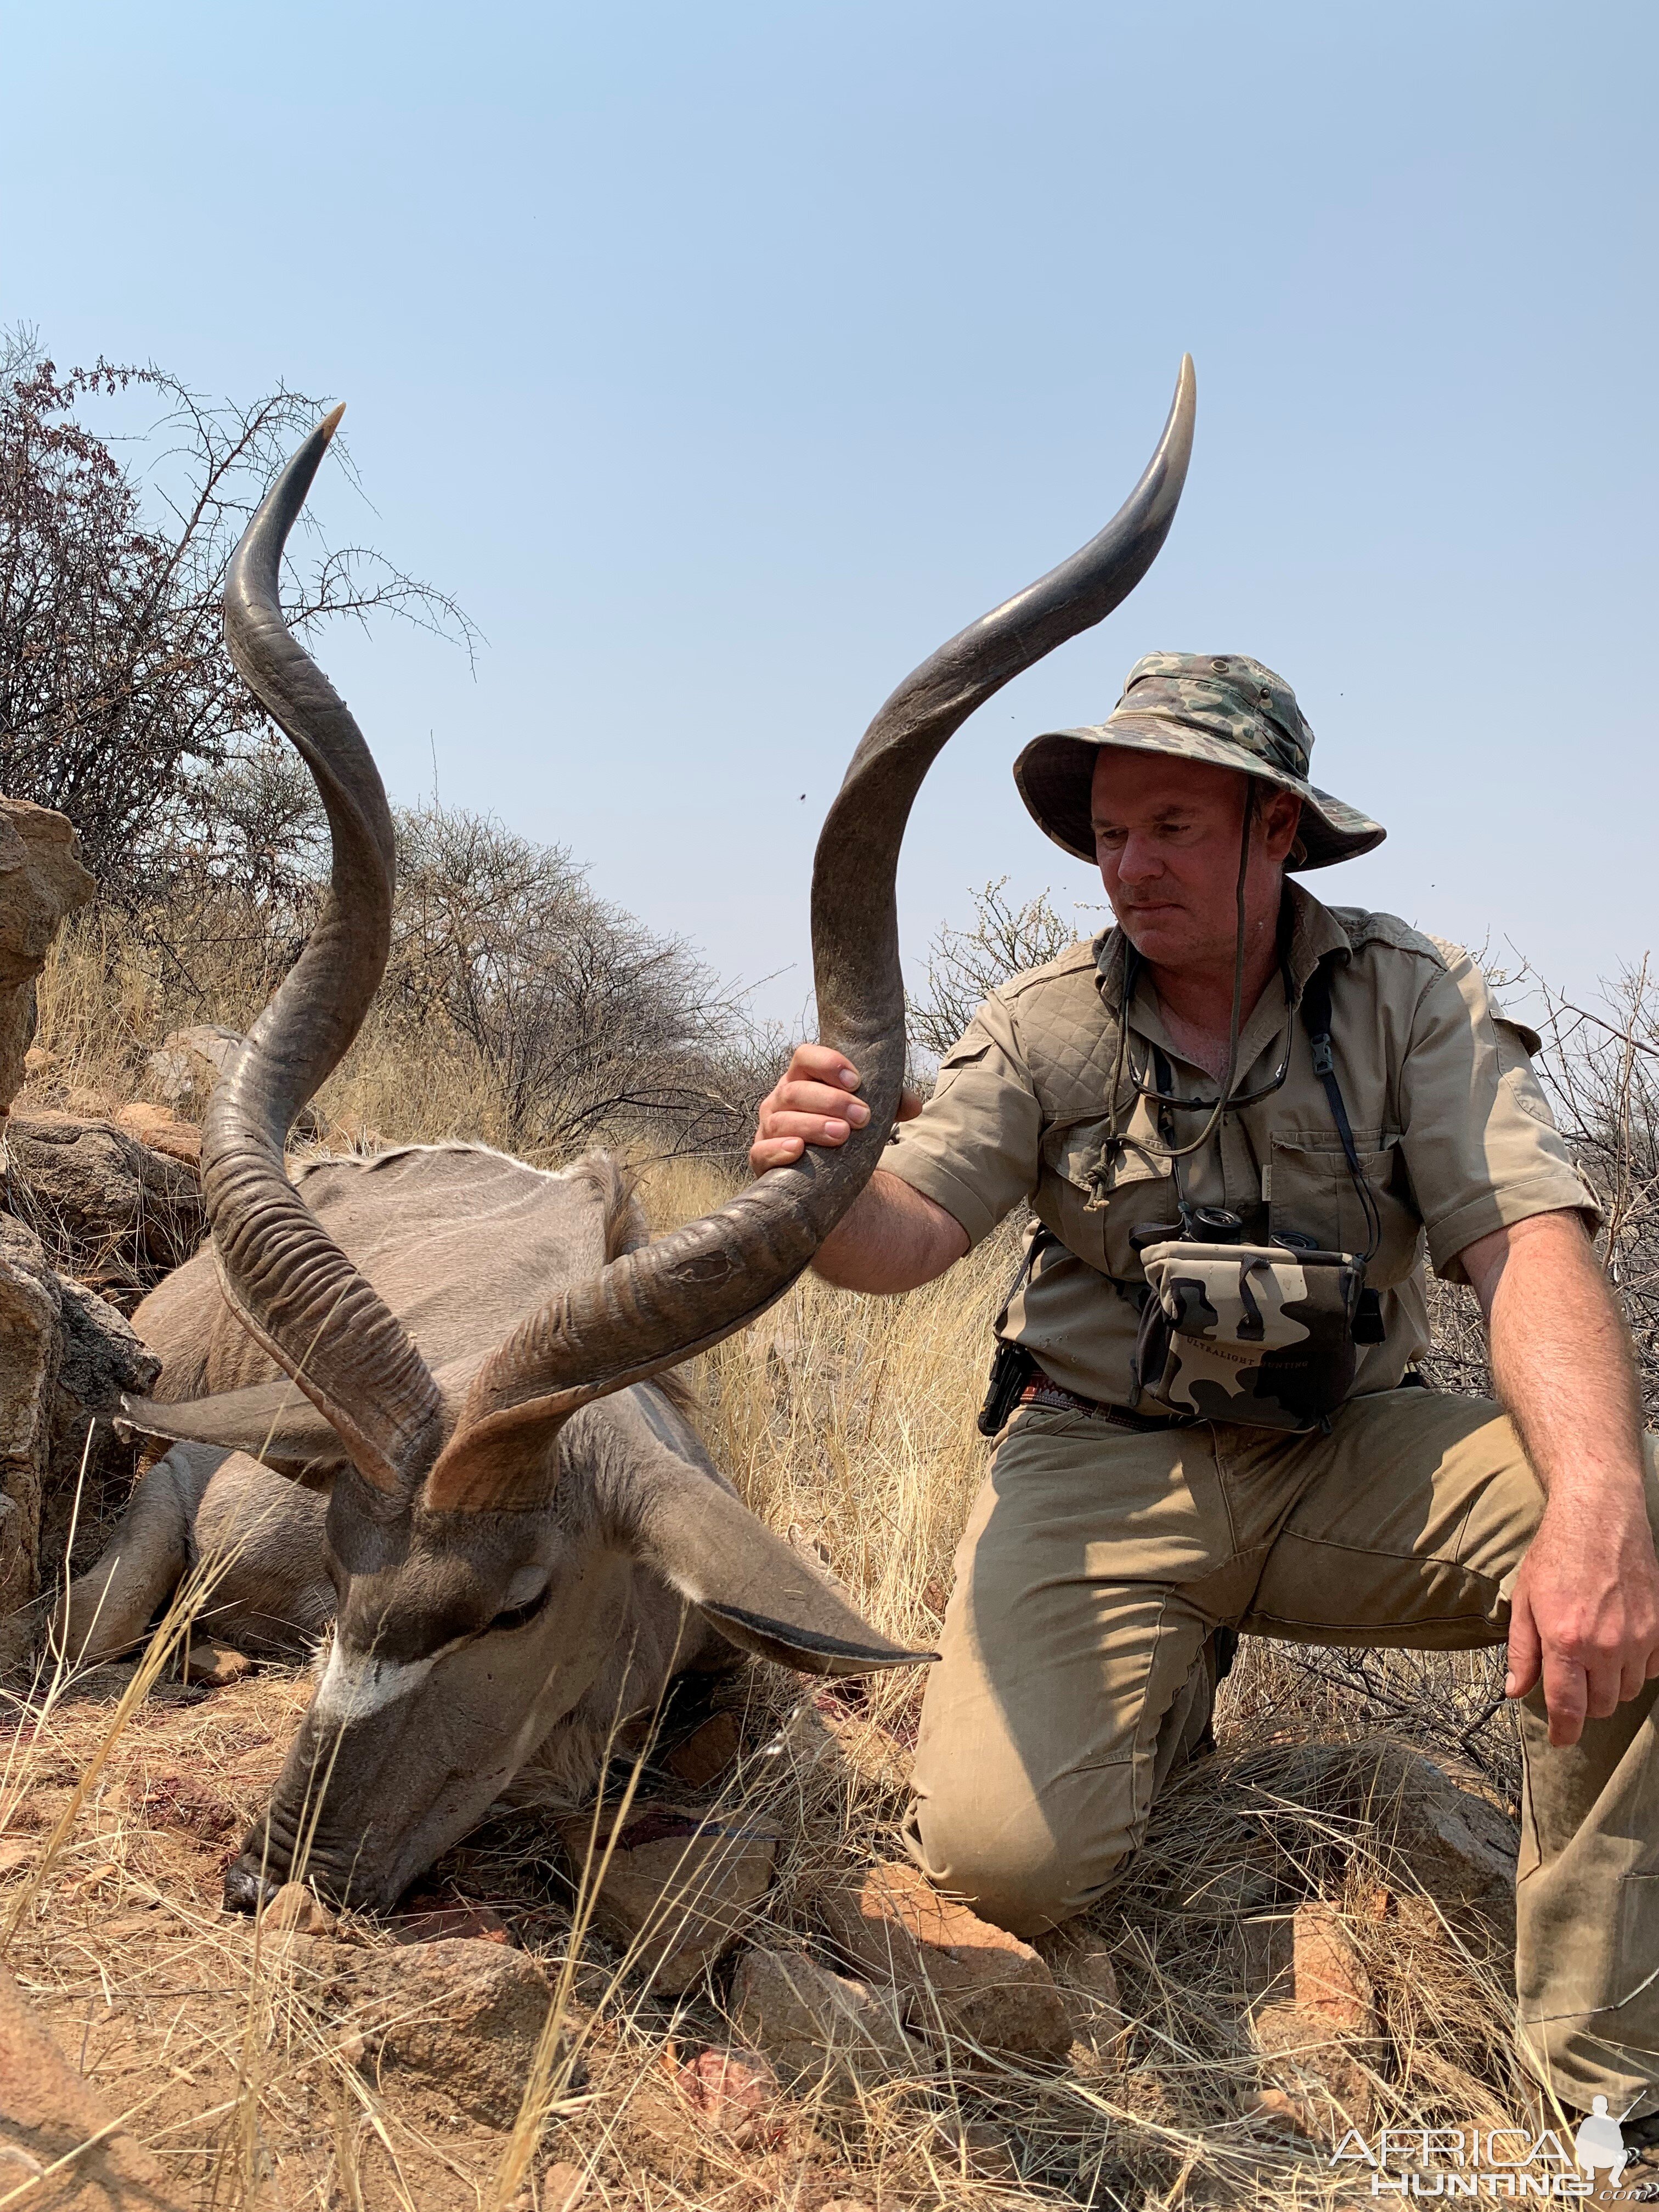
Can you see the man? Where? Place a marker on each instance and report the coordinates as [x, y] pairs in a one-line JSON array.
[[1113, 1536]]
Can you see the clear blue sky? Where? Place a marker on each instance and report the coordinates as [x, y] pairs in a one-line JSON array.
[[723, 359]]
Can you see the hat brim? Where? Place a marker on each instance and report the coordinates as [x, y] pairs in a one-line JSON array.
[[1055, 772]]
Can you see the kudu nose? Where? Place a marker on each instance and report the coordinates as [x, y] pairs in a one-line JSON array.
[[247, 1888]]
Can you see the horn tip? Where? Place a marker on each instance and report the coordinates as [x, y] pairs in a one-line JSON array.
[[331, 421]]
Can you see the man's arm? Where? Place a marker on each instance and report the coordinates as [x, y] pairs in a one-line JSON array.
[[1584, 1614], [892, 1237]]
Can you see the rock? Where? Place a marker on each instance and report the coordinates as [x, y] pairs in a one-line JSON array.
[[815, 2025], [564, 2187], [1446, 1839], [1458, 1847], [31, 1356], [41, 883], [465, 2015], [680, 1887], [107, 1209], [948, 1965], [102, 1356], [1274, 2109], [163, 1130], [1312, 2008], [1328, 1976], [732, 2093], [976, 2148], [48, 2112], [1077, 1957], [215, 1664], [433, 1923], [704, 1755], [1312, 2065], [297, 1910], [187, 1063]]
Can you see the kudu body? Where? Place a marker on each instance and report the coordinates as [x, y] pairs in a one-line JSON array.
[[509, 1497]]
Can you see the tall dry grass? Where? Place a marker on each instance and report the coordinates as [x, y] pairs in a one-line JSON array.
[[112, 989]]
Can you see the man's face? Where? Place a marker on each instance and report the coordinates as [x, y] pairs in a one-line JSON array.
[[1166, 837]]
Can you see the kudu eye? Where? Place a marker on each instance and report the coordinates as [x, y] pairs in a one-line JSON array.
[[537, 1582]]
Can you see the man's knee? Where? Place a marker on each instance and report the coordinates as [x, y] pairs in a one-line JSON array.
[[1025, 1867]]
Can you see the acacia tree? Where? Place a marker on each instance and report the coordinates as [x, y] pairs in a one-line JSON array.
[[592, 1022], [116, 691], [964, 966]]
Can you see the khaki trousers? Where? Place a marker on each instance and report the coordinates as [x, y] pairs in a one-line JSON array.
[[1094, 1564]]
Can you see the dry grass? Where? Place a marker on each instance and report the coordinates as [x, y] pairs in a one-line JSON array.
[[109, 993], [849, 1421]]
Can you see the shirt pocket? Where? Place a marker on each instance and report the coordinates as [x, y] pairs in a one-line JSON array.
[[967, 1052], [1141, 1190], [1311, 1192]]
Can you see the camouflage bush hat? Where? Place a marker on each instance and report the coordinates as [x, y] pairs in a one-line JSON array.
[[1219, 706]]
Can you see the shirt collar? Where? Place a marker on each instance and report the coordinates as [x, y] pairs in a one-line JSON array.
[[1314, 930]]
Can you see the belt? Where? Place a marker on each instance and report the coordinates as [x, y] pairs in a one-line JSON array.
[[1043, 1392]]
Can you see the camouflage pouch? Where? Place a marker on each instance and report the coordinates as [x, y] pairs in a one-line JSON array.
[[1253, 1332]]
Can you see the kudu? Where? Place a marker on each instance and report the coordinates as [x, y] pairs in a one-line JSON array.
[[459, 1349]]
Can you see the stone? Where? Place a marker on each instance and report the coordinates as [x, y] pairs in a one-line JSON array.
[[163, 1130], [299, 1911], [214, 1664], [430, 1922], [1310, 2064], [184, 1068], [42, 882], [679, 1888], [31, 1357], [977, 2147], [1077, 1957], [1441, 1837], [49, 2112], [733, 2094], [564, 2187], [948, 1966], [707, 1753], [1327, 1974], [107, 1210], [464, 2016], [1312, 2009], [1459, 1847], [102, 1357], [1274, 2109], [816, 2027]]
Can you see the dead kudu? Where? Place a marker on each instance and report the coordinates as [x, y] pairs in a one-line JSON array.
[[517, 1531]]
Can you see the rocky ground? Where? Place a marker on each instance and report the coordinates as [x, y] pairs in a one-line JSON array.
[[753, 2002]]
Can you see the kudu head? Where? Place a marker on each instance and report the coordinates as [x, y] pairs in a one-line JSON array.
[[477, 1590]]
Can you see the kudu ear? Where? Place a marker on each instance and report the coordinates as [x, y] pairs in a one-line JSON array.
[[758, 1592], [271, 1422]]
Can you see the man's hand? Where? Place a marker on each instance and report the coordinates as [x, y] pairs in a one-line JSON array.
[[1584, 1615], [813, 1103], [1584, 1610], [891, 1237]]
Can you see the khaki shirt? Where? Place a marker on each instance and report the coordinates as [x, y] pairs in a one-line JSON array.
[[1454, 1135]]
